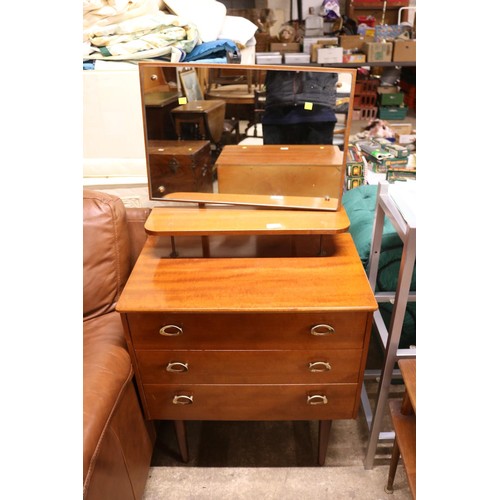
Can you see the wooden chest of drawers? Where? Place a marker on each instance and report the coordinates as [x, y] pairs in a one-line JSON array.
[[179, 166], [249, 338]]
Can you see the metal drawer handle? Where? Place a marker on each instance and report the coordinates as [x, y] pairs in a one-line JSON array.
[[183, 399], [317, 399], [177, 367], [322, 330], [170, 330], [320, 366]]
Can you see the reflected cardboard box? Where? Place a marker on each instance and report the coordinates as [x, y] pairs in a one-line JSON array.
[[285, 47], [268, 58]]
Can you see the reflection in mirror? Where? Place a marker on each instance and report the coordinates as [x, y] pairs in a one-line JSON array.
[[247, 129]]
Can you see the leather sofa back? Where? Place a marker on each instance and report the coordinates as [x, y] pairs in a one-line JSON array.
[[106, 252]]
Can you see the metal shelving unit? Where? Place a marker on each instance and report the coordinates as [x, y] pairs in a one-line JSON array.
[[394, 203]]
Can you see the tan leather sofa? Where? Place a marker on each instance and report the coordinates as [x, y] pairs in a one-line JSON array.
[[117, 441]]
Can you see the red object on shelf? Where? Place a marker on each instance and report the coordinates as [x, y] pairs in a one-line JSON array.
[[370, 21], [410, 97], [357, 3]]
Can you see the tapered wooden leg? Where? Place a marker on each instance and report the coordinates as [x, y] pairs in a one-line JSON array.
[[324, 437], [392, 468], [180, 433]]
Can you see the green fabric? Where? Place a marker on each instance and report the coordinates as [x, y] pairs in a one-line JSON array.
[[359, 204]]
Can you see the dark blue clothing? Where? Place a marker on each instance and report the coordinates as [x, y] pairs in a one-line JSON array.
[[287, 120]]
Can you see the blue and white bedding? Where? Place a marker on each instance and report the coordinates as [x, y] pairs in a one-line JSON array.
[[118, 30]]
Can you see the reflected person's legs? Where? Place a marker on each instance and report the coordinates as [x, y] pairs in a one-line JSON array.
[[303, 133]]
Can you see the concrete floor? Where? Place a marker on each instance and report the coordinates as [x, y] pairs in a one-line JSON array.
[[264, 483]]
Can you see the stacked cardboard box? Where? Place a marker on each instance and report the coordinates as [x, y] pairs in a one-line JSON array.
[[352, 46], [382, 155], [391, 104], [355, 168]]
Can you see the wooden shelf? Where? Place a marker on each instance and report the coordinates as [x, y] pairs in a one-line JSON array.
[[254, 200], [180, 221], [359, 65]]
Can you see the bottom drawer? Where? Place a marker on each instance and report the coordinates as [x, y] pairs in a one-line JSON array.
[[251, 402]]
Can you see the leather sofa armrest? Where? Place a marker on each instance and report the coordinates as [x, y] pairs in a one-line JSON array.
[[136, 218]]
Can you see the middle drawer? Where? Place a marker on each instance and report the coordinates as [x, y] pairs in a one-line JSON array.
[[249, 367]]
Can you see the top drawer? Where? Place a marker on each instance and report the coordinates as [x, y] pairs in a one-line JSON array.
[[340, 330]]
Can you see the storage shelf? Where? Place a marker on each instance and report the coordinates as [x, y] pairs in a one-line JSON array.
[[360, 65]]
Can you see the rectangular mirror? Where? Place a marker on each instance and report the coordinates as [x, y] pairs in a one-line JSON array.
[[246, 129]]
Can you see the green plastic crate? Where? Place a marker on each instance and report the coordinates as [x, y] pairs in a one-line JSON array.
[[391, 99], [392, 112]]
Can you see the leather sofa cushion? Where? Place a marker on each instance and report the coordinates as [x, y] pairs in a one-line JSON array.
[[106, 252], [107, 369]]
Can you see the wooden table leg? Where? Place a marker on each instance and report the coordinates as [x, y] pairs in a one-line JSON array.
[[180, 434], [392, 468], [324, 437]]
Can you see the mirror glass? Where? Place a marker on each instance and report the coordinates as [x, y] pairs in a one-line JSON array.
[[247, 129]]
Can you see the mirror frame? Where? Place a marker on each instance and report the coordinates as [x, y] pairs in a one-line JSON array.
[[145, 65]]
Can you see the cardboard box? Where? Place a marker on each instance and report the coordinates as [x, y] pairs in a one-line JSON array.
[[401, 128], [389, 32], [268, 58], [355, 169], [296, 58], [401, 174], [397, 150], [285, 47], [354, 42], [321, 44], [330, 55], [378, 51], [392, 112], [406, 138], [308, 42], [391, 99], [354, 58], [405, 51], [353, 182], [387, 89]]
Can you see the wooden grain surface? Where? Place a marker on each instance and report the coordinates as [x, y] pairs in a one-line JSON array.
[[405, 427], [255, 200], [272, 154], [251, 402], [249, 367], [332, 283], [191, 221], [408, 369]]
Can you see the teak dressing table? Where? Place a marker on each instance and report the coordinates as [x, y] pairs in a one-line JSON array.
[[274, 325]]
